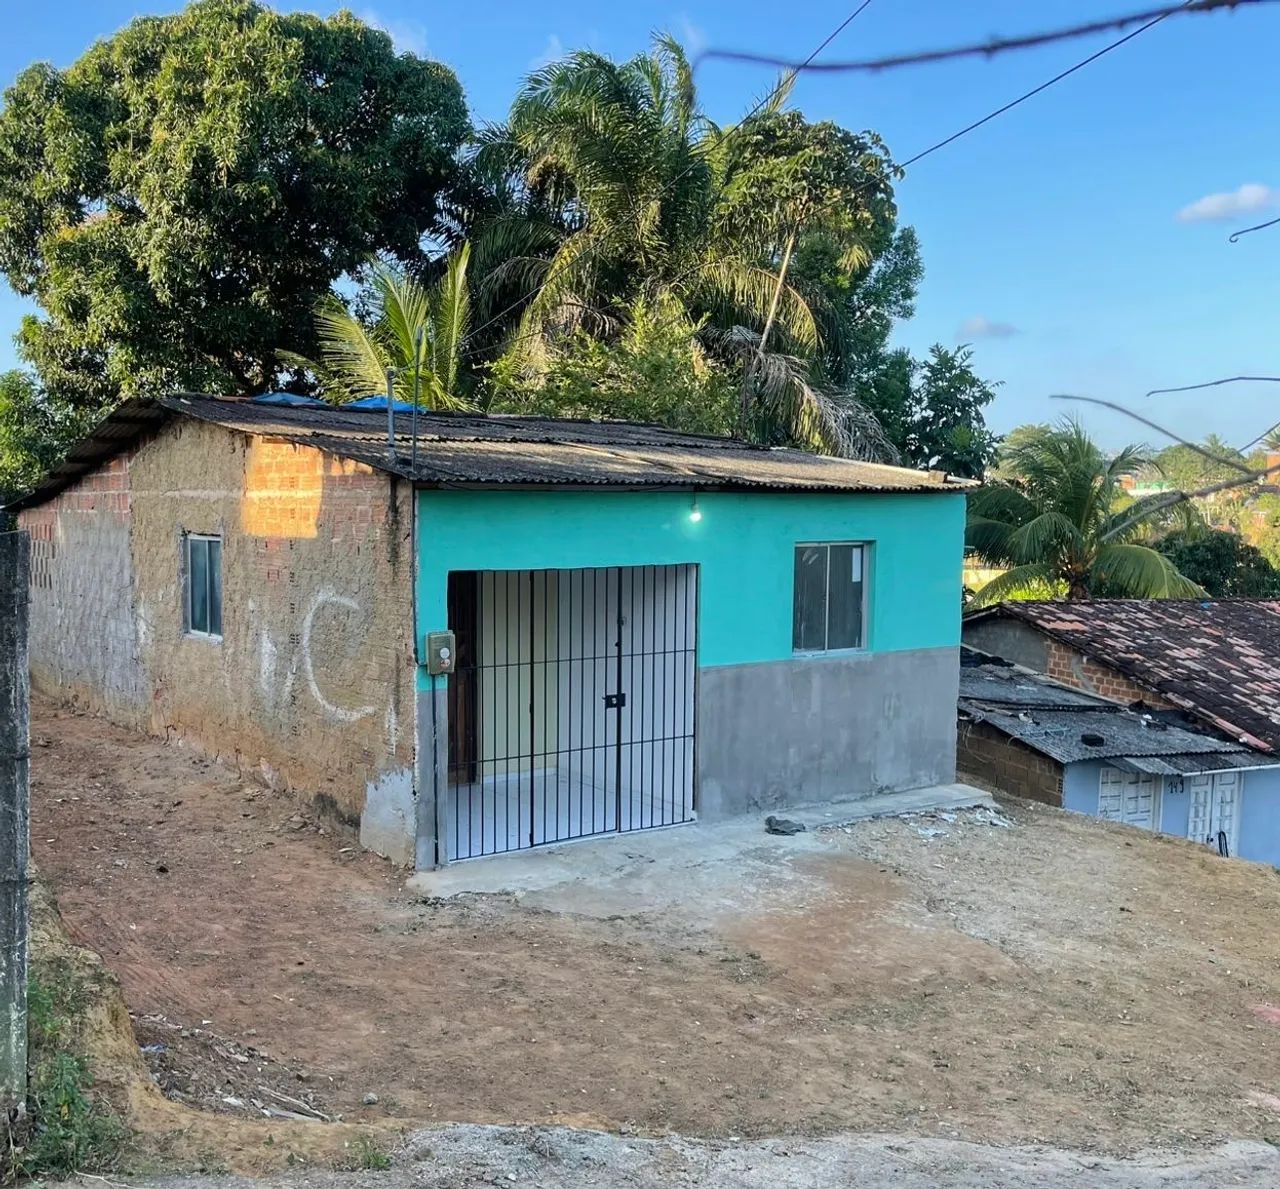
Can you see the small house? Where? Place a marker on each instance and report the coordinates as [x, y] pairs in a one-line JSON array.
[[1192, 738], [475, 634]]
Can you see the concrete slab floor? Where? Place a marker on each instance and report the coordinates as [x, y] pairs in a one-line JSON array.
[[708, 868]]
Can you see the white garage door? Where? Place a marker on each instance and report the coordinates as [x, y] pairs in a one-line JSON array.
[[1128, 797]]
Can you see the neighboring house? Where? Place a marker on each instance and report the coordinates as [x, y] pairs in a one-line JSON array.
[[647, 627], [1157, 769], [1214, 661]]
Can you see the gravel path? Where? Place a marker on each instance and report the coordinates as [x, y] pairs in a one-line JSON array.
[[461, 1157]]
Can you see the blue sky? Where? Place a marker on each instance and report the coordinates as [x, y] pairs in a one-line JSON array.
[[1051, 237]]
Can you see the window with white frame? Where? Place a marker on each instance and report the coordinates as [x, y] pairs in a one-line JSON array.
[[202, 584], [830, 596]]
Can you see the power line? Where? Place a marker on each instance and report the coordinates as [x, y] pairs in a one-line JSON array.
[[689, 168], [1235, 235], [1057, 78], [1177, 497], [1218, 383], [983, 49], [1148, 20], [1168, 433]]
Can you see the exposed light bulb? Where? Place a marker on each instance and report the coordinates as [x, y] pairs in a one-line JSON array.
[[695, 513]]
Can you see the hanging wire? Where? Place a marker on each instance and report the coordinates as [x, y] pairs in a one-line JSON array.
[[981, 49]]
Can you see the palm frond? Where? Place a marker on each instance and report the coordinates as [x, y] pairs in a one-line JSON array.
[[1043, 535], [1138, 572], [451, 307], [352, 362], [734, 285], [1021, 582]]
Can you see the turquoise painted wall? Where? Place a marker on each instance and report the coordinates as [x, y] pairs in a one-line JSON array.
[[743, 543]]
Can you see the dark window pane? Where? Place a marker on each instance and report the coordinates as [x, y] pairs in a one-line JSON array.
[[809, 624], [198, 583], [215, 587], [844, 597]]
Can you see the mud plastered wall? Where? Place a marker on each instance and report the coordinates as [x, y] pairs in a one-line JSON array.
[[311, 684]]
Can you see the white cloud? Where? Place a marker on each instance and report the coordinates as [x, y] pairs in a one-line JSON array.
[[553, 51], [980, 327], [1231, 204], [410, 37]]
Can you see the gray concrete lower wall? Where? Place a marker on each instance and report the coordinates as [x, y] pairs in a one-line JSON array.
[[824, 729], [433, 767]]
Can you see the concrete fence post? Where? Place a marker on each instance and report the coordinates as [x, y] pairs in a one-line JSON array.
[[15, 841]]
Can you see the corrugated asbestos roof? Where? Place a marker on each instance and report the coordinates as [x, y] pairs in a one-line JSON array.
[[474, 449], [1218, 658], [1069, 725], [1190, 765]]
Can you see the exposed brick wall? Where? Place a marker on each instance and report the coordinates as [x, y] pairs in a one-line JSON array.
[[1072, 668], [312, 684], [1006, 764]]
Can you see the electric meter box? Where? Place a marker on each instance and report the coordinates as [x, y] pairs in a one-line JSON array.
[[442, 652]]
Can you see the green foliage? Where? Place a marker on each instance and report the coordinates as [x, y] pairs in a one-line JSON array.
[[369, 1156], [35, 432], [180, 198], [398, 322], [933, 411], [1262, 527], [656, 371], [1187, 469], [1063, 526], [71, 1130], [620, 195], [1014, 441], [1221, 562], [181, 201]]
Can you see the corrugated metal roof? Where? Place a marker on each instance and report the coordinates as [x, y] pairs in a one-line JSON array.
[[1061, 734], [1056, 721], [1189, 765], [1009, 685], [474, 449]]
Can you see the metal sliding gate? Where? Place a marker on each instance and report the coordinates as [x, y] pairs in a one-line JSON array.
[[571, 707]]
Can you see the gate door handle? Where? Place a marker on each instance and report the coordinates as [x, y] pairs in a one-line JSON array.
[[615, 701]]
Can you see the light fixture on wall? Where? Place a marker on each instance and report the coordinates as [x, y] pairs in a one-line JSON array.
[[695, 513]]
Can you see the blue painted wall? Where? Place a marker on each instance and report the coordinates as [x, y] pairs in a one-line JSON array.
[[1080, 786], [1259, 806], [1260, 817], [744, 544], [1175, 806]]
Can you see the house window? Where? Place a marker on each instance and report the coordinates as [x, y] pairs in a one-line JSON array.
[[830, 597], [202, 584]]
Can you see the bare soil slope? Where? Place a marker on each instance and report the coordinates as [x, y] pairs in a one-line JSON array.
[[1061, 981]]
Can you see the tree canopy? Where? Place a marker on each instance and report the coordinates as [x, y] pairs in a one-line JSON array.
[[1063, 526], [179, 199], [1221, 562], [233, 199], [34, 432]]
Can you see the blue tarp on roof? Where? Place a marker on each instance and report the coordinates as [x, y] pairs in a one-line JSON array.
[[378, 402], [290, 400]]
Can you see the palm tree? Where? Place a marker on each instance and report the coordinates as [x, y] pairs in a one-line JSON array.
[[620, 194], [407, 323], [1063, 527]]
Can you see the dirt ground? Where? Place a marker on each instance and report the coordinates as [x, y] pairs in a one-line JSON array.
[[1061, 981]]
